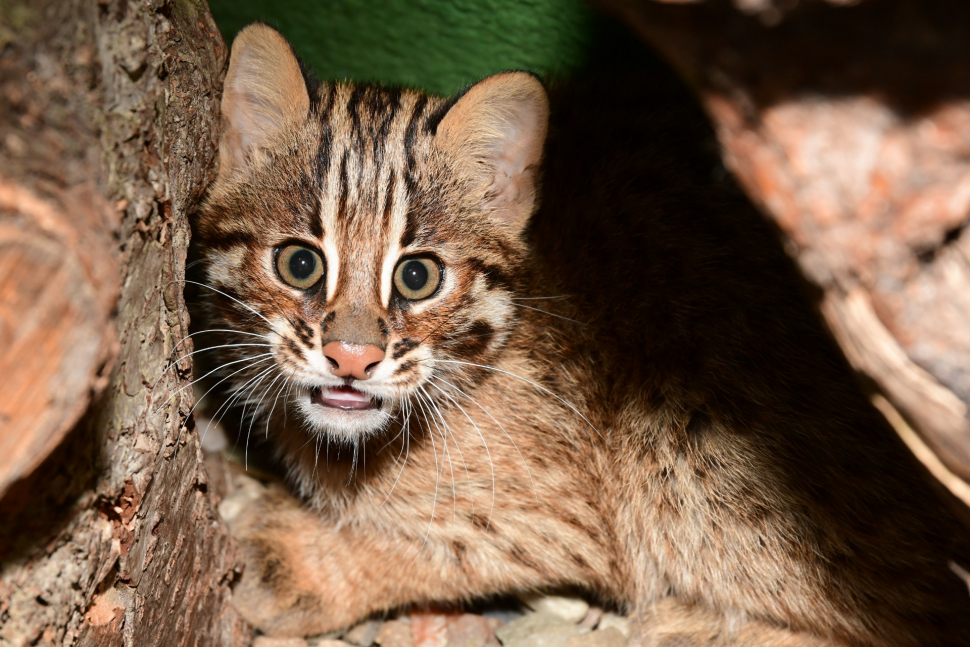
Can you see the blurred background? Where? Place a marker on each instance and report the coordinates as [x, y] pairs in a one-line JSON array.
[[439, 47]]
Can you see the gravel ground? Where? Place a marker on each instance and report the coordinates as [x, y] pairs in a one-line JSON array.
[[548, 621]]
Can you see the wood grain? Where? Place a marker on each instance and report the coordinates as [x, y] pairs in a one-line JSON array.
[[55, 326]]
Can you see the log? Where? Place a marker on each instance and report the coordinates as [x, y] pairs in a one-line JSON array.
[[848, 123], [108, 125]]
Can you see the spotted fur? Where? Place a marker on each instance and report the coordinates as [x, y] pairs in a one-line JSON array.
[[620, 388]]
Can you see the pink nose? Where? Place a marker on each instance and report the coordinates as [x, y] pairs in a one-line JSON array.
[[357, 360]]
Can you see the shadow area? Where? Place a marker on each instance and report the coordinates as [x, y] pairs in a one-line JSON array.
[[38, 508]]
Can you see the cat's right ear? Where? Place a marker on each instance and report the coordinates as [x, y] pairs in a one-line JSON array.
[[265, 95], [495, 132]]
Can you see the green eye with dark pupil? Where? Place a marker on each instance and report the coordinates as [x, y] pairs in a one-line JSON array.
[[299, 266], [417, 278]]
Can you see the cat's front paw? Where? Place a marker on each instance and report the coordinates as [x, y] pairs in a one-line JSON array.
[[278, 594], [269, 596]]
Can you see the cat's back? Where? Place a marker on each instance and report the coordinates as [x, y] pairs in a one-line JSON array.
[[658, 252], [691, 311]]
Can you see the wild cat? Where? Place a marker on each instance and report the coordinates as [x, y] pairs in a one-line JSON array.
[[492, 362]]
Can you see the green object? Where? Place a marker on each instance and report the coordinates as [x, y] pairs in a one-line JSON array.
[[436, 45]]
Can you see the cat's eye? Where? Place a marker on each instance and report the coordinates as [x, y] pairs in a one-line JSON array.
[[299, 266], [417, 278]]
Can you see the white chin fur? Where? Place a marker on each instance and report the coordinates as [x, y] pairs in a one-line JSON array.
[[349, 424]]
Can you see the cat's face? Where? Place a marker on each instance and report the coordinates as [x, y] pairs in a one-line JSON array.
[[365, 243]]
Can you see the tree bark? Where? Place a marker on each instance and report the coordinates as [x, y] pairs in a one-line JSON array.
[[108, 126], [848, 122]]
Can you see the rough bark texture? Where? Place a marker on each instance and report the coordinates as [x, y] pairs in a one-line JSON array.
[[850, 127], [108, 120]]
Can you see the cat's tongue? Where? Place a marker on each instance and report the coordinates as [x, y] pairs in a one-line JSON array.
[[342, 397]]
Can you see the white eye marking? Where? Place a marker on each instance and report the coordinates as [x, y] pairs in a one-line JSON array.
[[333, 265], [393, 253], [387, 270]]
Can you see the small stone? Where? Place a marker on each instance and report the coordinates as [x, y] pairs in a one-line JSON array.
[[592, 618], [266, 641], [429, 629], [504, 614], [610, 637], [214, 438], [493, 624], [330, 639], [538, 630], [363, 635], [569, 609], [615, 621], [468, 630], [248, 490], [395, 633]]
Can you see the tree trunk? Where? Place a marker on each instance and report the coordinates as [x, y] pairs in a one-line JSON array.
[[848, 122], [108, 126]]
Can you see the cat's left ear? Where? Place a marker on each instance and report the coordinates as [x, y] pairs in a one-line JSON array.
[[495, 132]]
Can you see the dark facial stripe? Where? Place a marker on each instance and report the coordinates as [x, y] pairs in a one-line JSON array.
[[303, 331], [388, 201], [343, 189], [230, 301], [352, 109], [476, 339], [409, 136], [307, 209], [327, 321], [327, 104], [292, 347], [494, 276], [325, 149], [225, 240], [411, 228], [402, 347], [434, 119], [386, 105]]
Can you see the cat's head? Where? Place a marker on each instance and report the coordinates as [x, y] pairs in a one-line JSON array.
[[366, 242]]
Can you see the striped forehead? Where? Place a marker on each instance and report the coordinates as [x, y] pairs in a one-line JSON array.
[[368, 140]]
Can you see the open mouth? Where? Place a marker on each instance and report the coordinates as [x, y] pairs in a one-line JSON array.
[[342, 397]]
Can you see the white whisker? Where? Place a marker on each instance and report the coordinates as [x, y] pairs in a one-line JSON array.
[[405, 448], [475, 402], [256, 409], [228, 330], [437, 475], [225, 406], [276, 400], [250, 308], [240, 392], [546, 312], [199, 401], [491, 467], [538, 386], [215, 370], [201, 350], [560, 296], [447, 452]]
